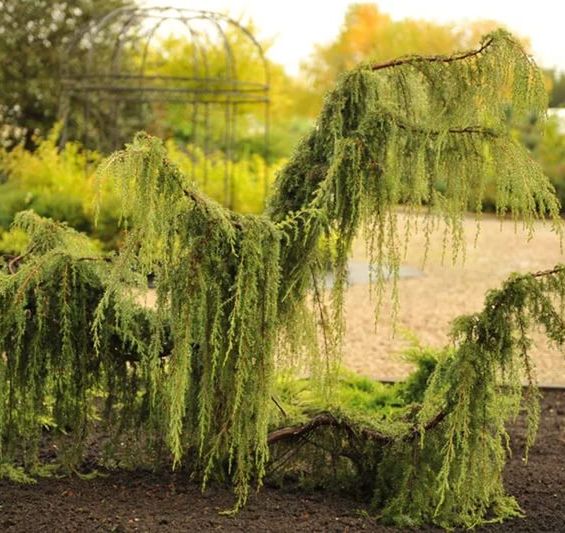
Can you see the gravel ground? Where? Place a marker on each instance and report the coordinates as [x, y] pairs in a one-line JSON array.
[[429, 303]]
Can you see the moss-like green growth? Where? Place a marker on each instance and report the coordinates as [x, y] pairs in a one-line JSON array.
[[241, 297]]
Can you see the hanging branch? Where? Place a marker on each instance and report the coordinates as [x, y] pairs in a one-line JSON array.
[[434, 59]]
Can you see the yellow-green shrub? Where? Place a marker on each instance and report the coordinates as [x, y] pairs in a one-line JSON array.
[[56, 183], [241, 185]]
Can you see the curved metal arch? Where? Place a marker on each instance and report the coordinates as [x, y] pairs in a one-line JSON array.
[[145, 13], [120, 41], [197, 49], [249, 35], [230, 75]]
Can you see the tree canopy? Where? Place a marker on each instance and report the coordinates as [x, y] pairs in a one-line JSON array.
[[240, 299], [33, 33]]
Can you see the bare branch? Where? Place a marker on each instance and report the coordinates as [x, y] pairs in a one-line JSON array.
[[329, 420], [542, 273]]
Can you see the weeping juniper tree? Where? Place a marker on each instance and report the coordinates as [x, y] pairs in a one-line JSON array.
[[194, 381]]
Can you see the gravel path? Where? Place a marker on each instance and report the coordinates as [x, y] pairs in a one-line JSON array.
[[429, 303]]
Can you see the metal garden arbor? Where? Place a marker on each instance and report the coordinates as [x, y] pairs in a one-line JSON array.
[[117, 77]]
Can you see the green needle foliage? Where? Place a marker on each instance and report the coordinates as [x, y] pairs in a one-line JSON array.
[[50, 369], [240, 301]]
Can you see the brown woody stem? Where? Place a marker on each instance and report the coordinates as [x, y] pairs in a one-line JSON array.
[[433, 59], [328, 420]]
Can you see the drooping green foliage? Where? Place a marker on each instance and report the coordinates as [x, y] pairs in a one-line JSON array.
[[218, 279], [432, 449], [49, 367], [240, 297], [388, 134]]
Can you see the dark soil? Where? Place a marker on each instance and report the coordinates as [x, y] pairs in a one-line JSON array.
[[139, 501]]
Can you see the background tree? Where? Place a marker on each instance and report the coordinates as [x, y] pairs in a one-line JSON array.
[[32, 34], [556, 88]]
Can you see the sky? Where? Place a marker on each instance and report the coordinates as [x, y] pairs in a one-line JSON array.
[[296, 26]]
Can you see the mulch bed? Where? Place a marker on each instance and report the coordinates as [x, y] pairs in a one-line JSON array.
[[139, 501]]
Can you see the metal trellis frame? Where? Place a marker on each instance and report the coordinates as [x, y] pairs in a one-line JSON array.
[[113, 82]]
